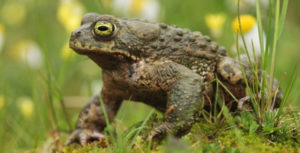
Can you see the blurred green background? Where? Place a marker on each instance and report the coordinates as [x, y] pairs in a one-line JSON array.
[[43, 84]]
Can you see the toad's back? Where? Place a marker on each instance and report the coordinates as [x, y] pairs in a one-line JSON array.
[[160, 41]]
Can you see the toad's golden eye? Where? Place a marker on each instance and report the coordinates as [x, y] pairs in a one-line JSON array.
[[104, 28]]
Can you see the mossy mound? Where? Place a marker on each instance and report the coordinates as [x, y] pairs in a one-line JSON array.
[[209, 137]]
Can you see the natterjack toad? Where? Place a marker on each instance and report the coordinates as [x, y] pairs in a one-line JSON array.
[[171, 69]]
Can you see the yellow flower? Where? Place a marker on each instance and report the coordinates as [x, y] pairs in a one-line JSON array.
[[69, 14], [66, 52], [26, 106], [1, 29], [137, 6], [215, 23], [247, 22], [29, 52], [2, 101], [1, 36], [13, 13], [249, 28]]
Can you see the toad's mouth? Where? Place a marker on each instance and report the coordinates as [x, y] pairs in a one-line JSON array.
[[88, 48]]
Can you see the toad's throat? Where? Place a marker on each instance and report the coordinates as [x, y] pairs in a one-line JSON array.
[[88, 48]]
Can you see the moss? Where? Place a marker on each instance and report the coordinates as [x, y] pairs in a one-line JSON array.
[[208, 137], [90, 148]]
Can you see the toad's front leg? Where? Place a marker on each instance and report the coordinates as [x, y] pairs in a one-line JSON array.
[[184, 98], [91, 121]]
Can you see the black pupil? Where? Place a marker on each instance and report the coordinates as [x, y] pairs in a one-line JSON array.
[[103, 28]]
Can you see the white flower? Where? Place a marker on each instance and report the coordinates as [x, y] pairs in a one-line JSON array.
[[1, 37], [147, 9], [34, 57], [96, 87], [264, 3], [246, 5], [29, 52], [150, 10], [250, 31], [121, 6]]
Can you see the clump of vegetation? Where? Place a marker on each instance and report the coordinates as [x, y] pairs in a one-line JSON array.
[[241, 136]]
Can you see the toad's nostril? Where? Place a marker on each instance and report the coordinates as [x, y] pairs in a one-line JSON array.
[[78, 33]]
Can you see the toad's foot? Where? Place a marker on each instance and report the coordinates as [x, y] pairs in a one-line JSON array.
[[84, 136], [176, 129], [160, 131]]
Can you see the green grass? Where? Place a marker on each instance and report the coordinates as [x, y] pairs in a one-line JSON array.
[[264, 87], [51, 86]]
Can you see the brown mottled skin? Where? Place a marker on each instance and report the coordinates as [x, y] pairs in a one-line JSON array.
[[171, 69]]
